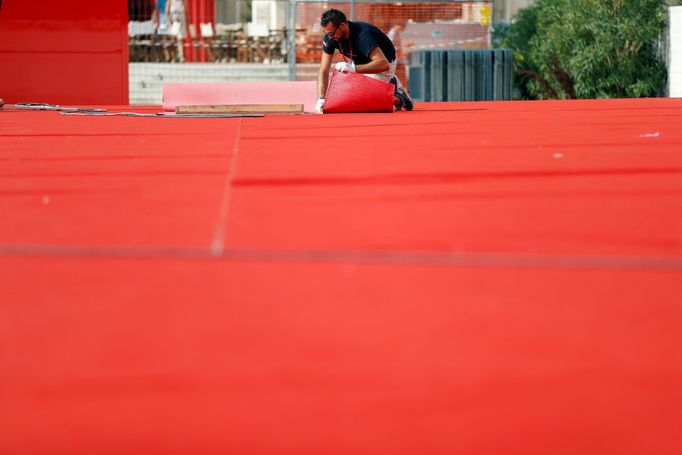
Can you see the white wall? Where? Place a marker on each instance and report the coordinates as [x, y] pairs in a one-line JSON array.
[[505, 10], [146, 80], [675, 58]]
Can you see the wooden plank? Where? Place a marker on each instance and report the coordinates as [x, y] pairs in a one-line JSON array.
[[240, 109]]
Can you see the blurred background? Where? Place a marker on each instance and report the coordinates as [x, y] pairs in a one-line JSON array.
[[257, 40], [124, 51], [558, 48]]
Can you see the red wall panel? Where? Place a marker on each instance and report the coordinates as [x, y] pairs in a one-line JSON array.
[[67, 52]]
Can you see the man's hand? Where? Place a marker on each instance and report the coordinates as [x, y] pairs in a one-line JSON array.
[[319, 105], [345, 67]]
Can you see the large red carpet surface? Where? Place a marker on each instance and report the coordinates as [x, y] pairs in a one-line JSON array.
[[466, 278]]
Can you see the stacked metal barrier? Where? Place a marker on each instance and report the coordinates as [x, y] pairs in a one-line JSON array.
[[461, 75]]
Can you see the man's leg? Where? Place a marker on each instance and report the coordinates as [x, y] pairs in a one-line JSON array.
[[401, 99], [404, 98], [397, 103]]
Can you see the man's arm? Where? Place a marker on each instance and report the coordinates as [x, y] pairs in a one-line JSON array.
[[323, 76], [378, 63]]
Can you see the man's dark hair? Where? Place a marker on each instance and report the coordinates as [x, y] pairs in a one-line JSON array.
[[334, 16]]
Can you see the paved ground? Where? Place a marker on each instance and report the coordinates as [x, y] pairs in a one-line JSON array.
[[466, 278]]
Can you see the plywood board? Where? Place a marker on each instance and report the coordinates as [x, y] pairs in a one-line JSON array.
[[240, 109]]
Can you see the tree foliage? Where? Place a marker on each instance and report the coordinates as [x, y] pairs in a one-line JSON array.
[[588, 48]]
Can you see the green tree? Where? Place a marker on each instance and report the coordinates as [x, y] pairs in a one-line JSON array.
[[588, 48]]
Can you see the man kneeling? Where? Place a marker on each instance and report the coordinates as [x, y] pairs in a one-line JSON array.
[[365, 49]]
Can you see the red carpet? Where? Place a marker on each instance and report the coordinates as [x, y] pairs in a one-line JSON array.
[[467, 278]]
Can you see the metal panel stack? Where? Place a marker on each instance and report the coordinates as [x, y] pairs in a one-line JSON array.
[[461, 75]]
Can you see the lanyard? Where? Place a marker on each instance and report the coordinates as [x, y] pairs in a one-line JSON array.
[[350, 48]]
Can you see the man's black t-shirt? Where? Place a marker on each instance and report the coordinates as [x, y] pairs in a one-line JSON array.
[[363, 39]]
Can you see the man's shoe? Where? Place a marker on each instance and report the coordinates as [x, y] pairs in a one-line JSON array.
[[405, 99]]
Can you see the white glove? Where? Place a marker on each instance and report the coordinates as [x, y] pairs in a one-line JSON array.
[[319, 105], [345, 67]]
